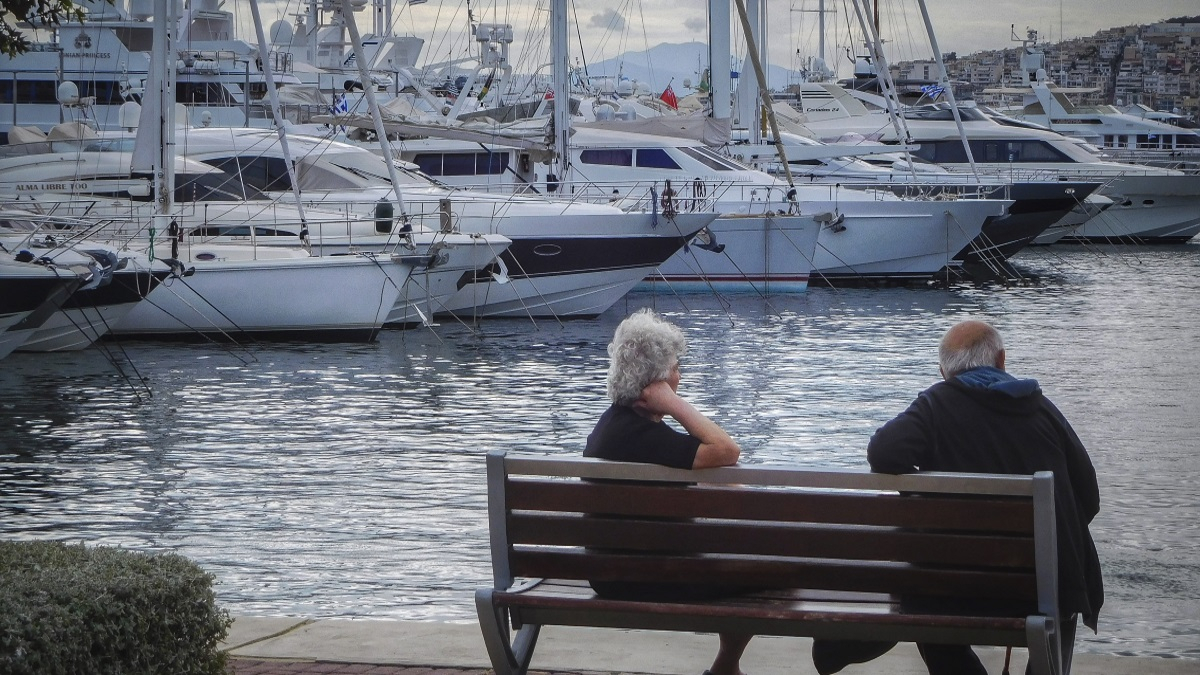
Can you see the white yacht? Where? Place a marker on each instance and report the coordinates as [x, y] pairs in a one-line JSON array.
[[1150, 204], [1143, 138], [92, 69], [763, 237]]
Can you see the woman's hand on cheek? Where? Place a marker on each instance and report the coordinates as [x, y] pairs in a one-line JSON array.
[[657, 398]]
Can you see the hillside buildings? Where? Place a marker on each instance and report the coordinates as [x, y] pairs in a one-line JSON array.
[[1155, 65]]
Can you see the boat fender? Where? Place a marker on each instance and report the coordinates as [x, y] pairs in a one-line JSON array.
[[384, 216], [176, 235]]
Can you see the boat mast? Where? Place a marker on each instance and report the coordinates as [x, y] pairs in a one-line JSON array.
[[763, 92], [718, 58], [154, 145], [559, 74]]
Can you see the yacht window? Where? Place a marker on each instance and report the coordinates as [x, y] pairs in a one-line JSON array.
[[29, 91], [254, 174], [491, 163], [608, 156], [239, 231], [208, 187], [655, 158], [1187, 141], [709, 158], [266, 174], [952, 152], [462, 163], [458, 164], [1029, 151], [203, 93], [430, 163]]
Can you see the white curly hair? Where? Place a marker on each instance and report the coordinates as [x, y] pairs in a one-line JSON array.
[[645, 349]]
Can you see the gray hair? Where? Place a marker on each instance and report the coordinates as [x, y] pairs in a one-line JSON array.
[[645, 348], [967, 345]]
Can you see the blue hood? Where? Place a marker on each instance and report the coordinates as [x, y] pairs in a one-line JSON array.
[[994, 379]]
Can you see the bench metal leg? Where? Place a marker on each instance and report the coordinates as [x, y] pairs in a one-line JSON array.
[[508, 658], [1045, 649]]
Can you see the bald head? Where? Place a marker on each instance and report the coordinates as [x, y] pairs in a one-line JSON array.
[[968, 345]]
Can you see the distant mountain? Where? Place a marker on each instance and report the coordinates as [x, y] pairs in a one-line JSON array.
[[676, 63]]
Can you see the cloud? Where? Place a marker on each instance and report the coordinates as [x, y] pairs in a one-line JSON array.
[[697, 24], [608, 19]]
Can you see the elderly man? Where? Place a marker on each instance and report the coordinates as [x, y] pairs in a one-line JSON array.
[[981, 419]]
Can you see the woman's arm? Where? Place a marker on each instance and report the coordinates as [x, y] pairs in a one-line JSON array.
[[717, 448]]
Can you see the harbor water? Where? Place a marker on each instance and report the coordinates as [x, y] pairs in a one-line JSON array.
[[348, 480]]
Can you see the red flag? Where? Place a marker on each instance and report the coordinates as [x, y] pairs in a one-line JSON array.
[[668, 97], [549, 95]]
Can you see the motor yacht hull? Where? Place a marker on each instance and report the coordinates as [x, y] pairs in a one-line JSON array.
[[745, 253], [1145, 210], [31, 295], [89, 314], [580, 272], [899, 240]]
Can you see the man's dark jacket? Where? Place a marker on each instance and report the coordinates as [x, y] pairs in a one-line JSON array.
[[986, 421]]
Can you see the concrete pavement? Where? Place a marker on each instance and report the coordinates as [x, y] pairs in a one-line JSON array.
[[297, 646]]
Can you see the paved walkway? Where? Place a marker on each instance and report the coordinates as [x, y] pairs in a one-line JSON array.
[[292, 646], [244, 666]]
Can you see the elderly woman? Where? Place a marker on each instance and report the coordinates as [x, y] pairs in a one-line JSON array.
[[643, 379]]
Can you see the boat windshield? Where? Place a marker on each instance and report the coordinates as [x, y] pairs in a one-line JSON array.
[[943, 112], [709, 158]]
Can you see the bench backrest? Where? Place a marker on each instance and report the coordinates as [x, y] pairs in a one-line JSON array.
[[926, 535]]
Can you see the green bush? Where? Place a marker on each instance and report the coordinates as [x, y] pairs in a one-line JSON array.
[[73, 609]]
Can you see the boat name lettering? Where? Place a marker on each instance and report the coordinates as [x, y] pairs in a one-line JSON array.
[[88, 55], [43, 187]]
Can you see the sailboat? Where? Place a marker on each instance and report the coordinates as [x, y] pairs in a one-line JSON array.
[[239, 291]]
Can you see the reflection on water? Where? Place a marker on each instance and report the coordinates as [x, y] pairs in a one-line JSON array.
[[348, 480]]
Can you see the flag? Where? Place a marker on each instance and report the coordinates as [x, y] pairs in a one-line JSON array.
[[487, 85], [549, 95], [933, 91], [668, 97], [341, 106]]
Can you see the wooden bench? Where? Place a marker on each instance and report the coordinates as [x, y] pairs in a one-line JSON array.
[[843, 547]]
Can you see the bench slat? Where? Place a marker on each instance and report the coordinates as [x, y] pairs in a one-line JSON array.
[[782, 614], [670, 501], [876, 577], [756, 537], [585, 467]]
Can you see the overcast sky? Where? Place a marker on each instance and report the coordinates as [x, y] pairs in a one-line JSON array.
[[611, 27]]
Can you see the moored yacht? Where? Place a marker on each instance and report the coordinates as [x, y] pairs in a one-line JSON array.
[[765, 238], [30, 293], [1150, 204], [114, 283]]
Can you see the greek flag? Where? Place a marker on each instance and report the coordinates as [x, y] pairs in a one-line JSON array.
[[933, 91], [341, 106]]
